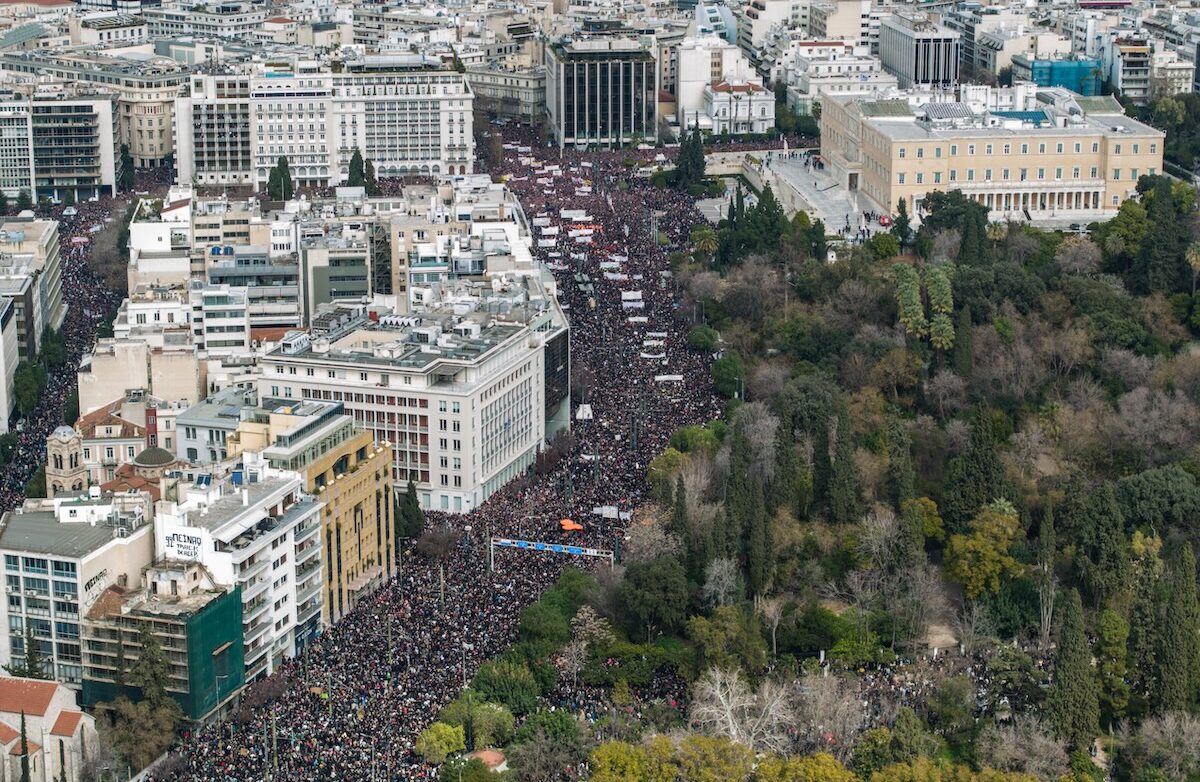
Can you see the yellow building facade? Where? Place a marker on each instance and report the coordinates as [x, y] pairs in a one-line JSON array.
[[1078, 155], [344, 468]]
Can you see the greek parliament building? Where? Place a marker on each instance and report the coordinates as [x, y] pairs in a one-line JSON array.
[[601, 91], [1049, 152]]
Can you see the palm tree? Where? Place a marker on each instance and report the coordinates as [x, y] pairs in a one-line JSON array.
[[1193, 260], [705, 240]]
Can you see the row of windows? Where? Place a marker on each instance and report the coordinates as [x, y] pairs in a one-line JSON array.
[[1008, 148], [1023, 175], [12, 563]]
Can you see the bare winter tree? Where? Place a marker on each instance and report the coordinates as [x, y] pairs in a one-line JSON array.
[[879, 540], [829, 715], [757, 421], [1078, 255], [972, 626], [724, 705], [721, 581], [921, 599], [589, 627], [1171, 742], [574, 657], [650, 541], [772, 611], [946, 244], [948, 391], [1023, 747]]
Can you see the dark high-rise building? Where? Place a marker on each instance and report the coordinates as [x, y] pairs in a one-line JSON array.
[[918, 52], [601, 91]]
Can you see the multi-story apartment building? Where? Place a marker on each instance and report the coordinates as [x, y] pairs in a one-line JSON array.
[[146, 90], [601, 91], [334, 266], [703, 61], [272, 284], [756, 18], [31, 276], [1127, 61], [351, 474], [59, 556], [509, 91], [108, 28], [197, 624], [1082, 75], [816, 75], [840, 20], [76, 145], [1170, 74], [205, 20], [258, 531], [214, 132], [464, 399], [970, 20], [918, 52], [1065, 153]]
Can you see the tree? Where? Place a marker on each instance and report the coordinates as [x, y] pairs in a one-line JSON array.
[[1104, 556], [410, 518], [723, 704], [508, 683], [24, 201], [1044, 576], [279, 183], [654, 594], [821, 767], [617, 761], [1022, 746], [369, 179], [439, 741], [27, 387], [1144, 627], [844, 499], [484, 724], [729, 638], [1178, 657], [37, 484], [32, 665], [708, 759], [975, 477], [902, 225], [979, 561], [729, 374], [356, 176], [3, 203], [1112, 636], [543, 757], [559, 725], [1072, 703], [705, 241], [817, 236], [24, 751]]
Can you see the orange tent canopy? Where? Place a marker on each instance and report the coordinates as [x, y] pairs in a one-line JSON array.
[[570, 526]]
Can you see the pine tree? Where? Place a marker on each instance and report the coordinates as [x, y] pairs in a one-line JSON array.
[[24, 201], [1072, 704], [369, 180], [1112, 635], [1178, 653], [844, 499], [412, 518], [679, 514]]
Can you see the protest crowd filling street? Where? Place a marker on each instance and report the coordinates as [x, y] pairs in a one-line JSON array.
[[88, 304], [351, 707]]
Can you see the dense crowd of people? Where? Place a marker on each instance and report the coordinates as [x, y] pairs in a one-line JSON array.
[[88, 303], [354, 702]]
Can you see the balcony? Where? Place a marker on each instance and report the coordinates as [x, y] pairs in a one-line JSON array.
[[305, 531], [306, 553], [253, 608], [254, 632], [304, 593], [308, 610], [306, 570], [249, 572]]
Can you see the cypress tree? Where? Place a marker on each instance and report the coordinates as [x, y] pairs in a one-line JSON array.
[[844, 499], [975, 477], [964, 345], [1112, 634], [739, 487], [1105, 564], [760, 560], [1144, 628], [900, 465], [24, 751], [355, 177], [679, 514], [784, 486], [1044, 576], [1072, 703], [1178, 640], [819, 247]]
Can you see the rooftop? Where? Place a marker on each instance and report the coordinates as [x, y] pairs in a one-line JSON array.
[[40, 532], [31, 696]]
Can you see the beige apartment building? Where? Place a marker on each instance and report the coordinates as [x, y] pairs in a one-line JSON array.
[[1065, 154], [346, 470]]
